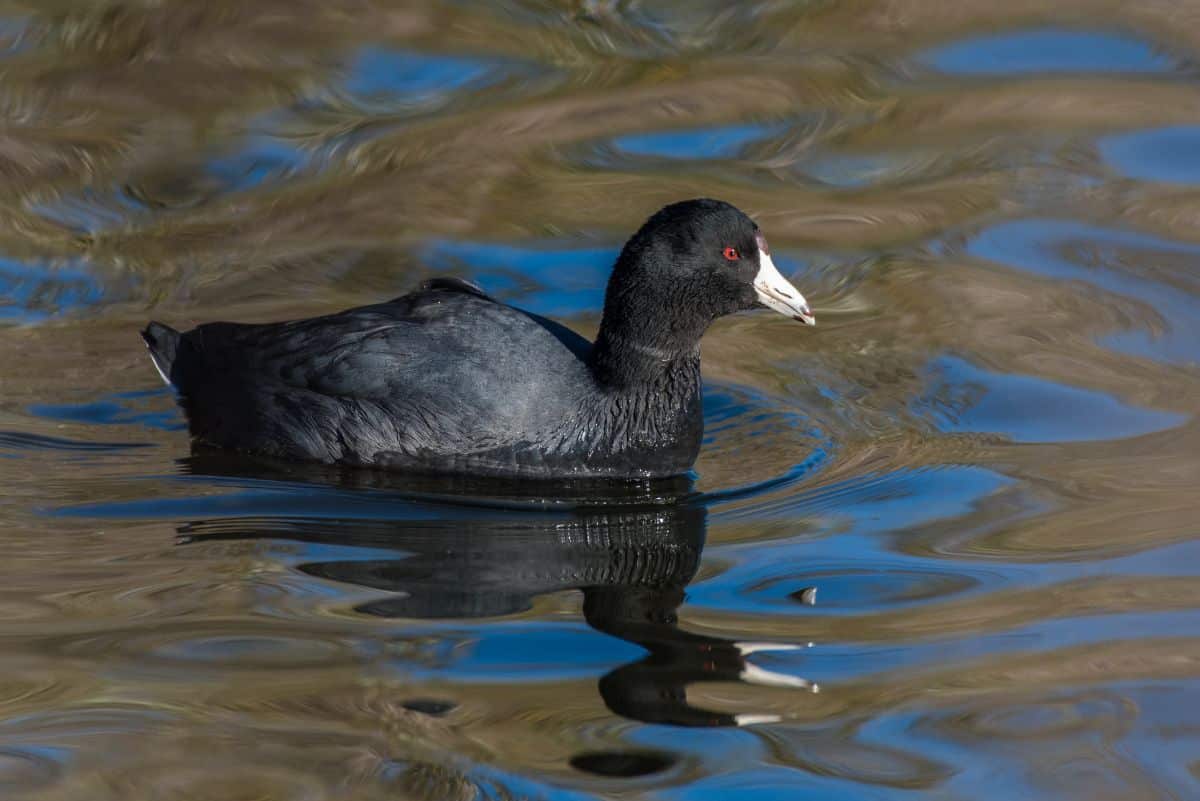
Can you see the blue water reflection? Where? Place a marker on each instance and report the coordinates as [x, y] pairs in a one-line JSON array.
[[114, 409], [1070, 250], [548, 278], [33, 292], [966, 398], [393, 80], [764, 783], [257, 160], [849, 520], [1170, 155], [1048, 50], [695, 144], [380, 74]]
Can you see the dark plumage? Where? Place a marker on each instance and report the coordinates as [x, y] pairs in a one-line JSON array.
[[447, 379]]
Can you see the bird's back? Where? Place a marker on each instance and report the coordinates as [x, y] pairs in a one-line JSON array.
[[443, 378]]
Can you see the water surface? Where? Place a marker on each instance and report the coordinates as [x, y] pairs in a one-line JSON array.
[[945, 545]]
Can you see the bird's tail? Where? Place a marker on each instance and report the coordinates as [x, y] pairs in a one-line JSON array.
[[163, 342]]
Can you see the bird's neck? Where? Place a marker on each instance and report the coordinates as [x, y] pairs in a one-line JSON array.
[[652, 407], [646, 341], [628, 363], [646, 363]]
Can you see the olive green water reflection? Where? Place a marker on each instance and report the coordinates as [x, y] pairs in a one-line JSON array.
[[972, 489]]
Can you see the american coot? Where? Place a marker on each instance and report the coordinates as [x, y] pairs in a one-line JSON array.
[[447, 379]]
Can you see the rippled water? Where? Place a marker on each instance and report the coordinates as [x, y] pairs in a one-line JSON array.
[[945, 545]]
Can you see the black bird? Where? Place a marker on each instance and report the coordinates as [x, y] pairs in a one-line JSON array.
[[449, 380]]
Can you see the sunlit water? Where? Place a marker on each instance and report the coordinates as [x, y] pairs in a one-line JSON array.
[[946, 545]]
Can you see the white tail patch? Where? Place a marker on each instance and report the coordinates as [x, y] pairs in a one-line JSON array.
[[161, 372]]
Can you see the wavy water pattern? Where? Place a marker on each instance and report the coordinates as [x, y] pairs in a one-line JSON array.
[[943, 545]]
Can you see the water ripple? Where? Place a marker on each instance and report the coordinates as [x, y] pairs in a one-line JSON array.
[[1159, 154], [963, 507], [25, 769], [1050, 50], [29, 293], [21, 441], [113, 409], [964, 398], [1066, 250]]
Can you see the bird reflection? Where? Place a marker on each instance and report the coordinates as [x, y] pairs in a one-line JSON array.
[[472, 548]]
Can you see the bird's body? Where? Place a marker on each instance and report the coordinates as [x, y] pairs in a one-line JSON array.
[[448, 379], [378, 386]]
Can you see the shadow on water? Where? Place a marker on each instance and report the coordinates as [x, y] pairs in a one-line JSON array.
[[470, 548]]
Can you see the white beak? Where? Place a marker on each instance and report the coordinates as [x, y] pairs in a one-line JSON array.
[[775, 292]]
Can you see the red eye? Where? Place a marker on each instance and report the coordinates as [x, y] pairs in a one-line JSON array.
[[730, 253]]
